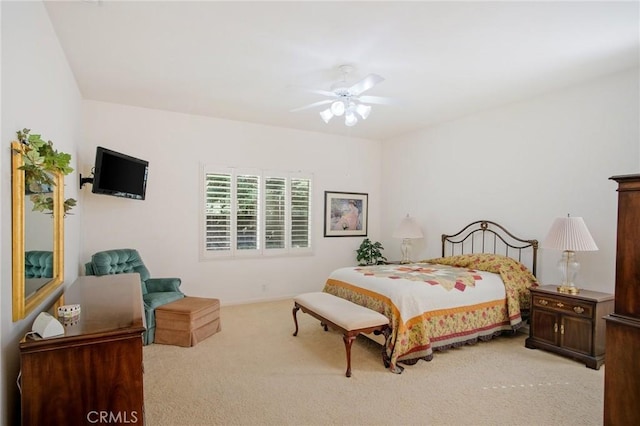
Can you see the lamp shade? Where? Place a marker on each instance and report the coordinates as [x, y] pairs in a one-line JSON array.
[[326, 115], [408, 228], [570, 234], [363, 110], [350, 119], [337, 108]]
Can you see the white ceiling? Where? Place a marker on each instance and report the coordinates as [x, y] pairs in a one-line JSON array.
[[249, 60]]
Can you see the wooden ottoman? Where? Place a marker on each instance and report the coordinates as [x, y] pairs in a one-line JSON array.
[[187, 321]]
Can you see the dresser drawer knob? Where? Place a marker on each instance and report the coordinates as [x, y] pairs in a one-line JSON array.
[[560, 305], [578, 309], [543, 302]]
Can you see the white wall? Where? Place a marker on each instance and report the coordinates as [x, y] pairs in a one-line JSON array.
[[38, 92], [164, 227], [521, 165]]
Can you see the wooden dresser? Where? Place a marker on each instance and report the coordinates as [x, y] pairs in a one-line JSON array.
[[622, 373], [92, 374]]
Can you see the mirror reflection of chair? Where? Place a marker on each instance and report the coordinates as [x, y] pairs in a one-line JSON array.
[[155, 291], [38, 271], [38, 264]]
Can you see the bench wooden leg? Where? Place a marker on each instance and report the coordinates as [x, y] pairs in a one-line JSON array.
[[348, 341], [295, 318]]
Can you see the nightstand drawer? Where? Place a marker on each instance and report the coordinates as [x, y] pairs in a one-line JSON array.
[[576, 307]]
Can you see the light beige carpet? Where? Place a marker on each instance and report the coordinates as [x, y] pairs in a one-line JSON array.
[[254, 372]]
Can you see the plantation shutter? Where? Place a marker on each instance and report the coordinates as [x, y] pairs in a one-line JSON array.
[[300, 213], [247, 216], [218, 212], [275, 212], [250, 212]]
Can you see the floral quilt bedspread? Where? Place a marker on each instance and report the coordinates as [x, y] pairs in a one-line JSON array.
[[448, 277], [439, 303], [517, 278]]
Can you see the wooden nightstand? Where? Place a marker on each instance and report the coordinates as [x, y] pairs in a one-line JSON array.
[[570, 325]]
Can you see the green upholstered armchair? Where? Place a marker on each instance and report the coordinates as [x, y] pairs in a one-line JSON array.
[[155, 291]]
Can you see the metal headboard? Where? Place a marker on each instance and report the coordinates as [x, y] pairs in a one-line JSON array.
[[484, 236]]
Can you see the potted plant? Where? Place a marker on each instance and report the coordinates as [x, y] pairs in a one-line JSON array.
[[370, 253]]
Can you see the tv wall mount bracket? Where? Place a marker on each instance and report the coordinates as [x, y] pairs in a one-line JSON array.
[[85, 180]]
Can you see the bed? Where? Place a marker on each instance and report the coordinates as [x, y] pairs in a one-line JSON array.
[[476, 290]]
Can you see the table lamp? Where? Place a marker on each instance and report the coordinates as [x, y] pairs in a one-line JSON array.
[[407, 230], [569, 234]]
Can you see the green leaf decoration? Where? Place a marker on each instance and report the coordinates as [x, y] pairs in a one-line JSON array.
[[40, 160], [69, 203]]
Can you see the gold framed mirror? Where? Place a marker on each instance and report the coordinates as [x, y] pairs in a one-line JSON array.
[[31, 234]]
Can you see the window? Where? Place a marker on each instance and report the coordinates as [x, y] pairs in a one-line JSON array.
[[255, 212]]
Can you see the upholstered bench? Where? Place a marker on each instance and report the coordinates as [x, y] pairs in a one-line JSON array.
[[187, 321], [343, 315]]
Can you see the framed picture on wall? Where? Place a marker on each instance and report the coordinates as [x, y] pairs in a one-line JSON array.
[[345, 214]]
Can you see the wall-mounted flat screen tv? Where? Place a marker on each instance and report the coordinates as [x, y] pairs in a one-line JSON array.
[[119, 174]]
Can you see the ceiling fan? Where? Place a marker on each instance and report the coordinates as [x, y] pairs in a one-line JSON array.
[[347, 100]]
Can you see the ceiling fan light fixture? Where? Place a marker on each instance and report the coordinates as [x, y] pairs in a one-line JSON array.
[[326, 115], [350, 119], [344, 99], [363, 110], [337, 108]]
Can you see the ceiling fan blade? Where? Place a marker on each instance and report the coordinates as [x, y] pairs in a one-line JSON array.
[[308, 90], [376, 100], [365, 84], [313, 105], [321, 92]]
